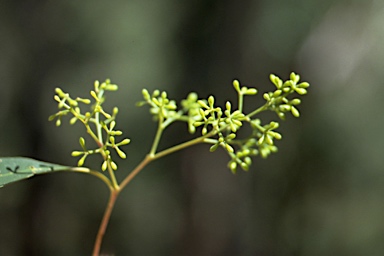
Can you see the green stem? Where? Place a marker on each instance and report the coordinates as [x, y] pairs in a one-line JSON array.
[[94, 173], [156, 141], [151, 157], [257, 111], [97, 118], [113, 177], [240, 102], [183, 145]]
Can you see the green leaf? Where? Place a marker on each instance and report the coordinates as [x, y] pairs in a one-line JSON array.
[[13, 169]]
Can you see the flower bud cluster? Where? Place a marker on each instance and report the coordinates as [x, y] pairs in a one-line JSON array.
[[166, 110], [220, 126], [98, 123], [161, 106], [278, 101]]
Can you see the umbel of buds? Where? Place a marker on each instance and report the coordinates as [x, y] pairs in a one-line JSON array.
[[220, 126]]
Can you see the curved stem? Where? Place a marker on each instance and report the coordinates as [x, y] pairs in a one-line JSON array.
[[94, 173], [151, 157], [104, 223], [182, 146]]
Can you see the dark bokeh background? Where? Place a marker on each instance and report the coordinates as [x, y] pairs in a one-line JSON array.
[[322, 194]]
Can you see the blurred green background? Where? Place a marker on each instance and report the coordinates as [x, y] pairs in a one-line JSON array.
[[322, 194]]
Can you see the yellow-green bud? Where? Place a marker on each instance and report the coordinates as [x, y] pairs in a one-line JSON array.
[[96, 85], [121, 153], [115, 111], [81, 161], [77, 153], [295, 78], [104, 166], [251, 91], [236, 85], [125, 142], [73, 120], [295, 112], [113, 165], [211, 100]]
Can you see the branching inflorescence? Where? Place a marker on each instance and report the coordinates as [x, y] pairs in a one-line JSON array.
[[218, 127]]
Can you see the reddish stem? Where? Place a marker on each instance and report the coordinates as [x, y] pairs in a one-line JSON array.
[[104, 223]]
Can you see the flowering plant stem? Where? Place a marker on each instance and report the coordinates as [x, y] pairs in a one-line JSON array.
[[219, 128], [115, 190]]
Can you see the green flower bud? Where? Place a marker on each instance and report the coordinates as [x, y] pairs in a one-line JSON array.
[[94, 95], [146, 94], [250, 91], [82, 143], [276, 81], [104, 166], [229, 148], [285, 107], [268, 139], [274, 125], [301, 91], [232, 165], [276, 135], [228, 106], [236, 85], [303, 85], [85, 101], [77, 153], [244, 166], [286, 89], [248, 160], [115, 111], [112, 125], [121, 153], [73, 120], [116, 133], [211, 100], [111, 87], [82, 160], [295, 78], [60, 92], [277, 93], [124, 142], [52, 117], [295, 112], [114, 165], [281, 115], [246, 152], [231, 136], [295, 101], [214, 147], [203, 104], [96, 85]]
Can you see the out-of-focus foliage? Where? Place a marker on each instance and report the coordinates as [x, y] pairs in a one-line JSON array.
[[321, 195]]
